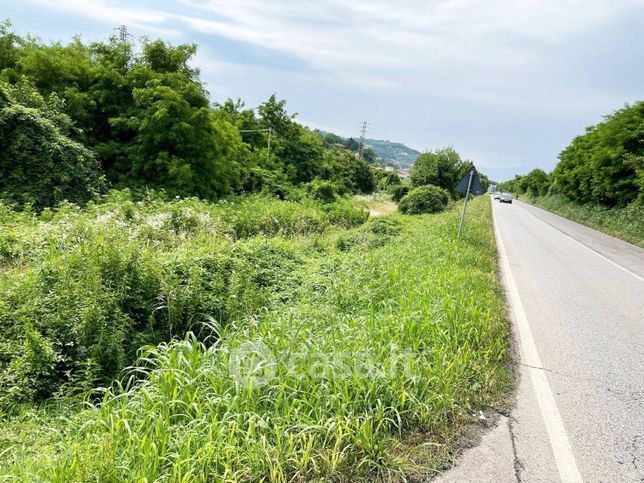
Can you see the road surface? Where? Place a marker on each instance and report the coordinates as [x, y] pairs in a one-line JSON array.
[[577, 305]]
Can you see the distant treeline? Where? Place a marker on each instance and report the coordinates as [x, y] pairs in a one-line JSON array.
[[605, 165], [77, 118], [352, 144], [387, 153]]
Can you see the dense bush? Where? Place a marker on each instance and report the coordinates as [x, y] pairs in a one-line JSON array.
[[348, 173], [399, 191], [322, 190], [83, 289], [375, 233], [386, 179], [604, 164], [443, 168], [39, 164], [424, 199], [535, 183]]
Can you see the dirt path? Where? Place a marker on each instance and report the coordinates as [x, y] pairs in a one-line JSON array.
[[384, 207]]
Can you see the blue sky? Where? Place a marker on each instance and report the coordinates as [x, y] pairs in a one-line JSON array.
[[507, 83]]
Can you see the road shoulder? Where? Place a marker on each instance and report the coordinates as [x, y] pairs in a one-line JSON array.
[[623, 254]]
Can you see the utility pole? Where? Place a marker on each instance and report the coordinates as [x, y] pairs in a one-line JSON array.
[[467, 195], [268, 155], [123, 33], [269, 130], [363, 133]]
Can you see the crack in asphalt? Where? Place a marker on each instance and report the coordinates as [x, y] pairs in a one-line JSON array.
[[550, 370], [633, 451], [627, 394], [518, 466]]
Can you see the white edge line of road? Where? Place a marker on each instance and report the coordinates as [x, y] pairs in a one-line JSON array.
[[564, 457], [583, 245]]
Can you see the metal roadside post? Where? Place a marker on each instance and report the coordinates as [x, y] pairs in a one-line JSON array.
[[469, 184], [467, 195]]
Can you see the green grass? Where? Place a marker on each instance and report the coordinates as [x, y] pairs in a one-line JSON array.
[[365, 357], [81, 290], [625, 223]]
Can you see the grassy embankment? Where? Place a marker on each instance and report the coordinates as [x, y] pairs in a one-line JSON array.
[[625, 223], [316, 348]]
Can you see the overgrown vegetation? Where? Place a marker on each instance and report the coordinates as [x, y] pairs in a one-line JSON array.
[[443, 168], [39, 164], [424, 199], [195, 292], [599, 180], [626, 223], [604, 166], [139, 115], [82, 290], [321, 357]]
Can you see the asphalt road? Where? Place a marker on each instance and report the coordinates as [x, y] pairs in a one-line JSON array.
[[577, 305]]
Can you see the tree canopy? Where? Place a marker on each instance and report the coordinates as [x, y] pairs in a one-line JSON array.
[[604, 164], [442, 167], [143, 112]]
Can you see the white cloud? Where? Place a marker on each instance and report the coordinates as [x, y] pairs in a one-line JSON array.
[[465, 48]]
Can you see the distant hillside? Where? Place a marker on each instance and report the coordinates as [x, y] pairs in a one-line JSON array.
[[392, 153], [387, 153]]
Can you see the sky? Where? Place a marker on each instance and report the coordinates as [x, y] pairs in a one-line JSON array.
[[507, 83]]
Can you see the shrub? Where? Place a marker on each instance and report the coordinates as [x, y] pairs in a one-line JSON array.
[[424, 199], [40, 165], [605, 164], [82, 289], [322, 190], [267, 181], [399, 191], [375, 233], [83, 315], [386, 179], [345, 214]]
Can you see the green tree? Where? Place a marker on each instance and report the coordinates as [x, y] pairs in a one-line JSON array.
[[535, 183], [598, 165], [10, 44], [514, 185], [442, 167], [179, 146], [299, 149], [386, 179], [348, 172], [145, 113], [485, 182]]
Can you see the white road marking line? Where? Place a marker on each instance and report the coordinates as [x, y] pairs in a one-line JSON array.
[[564, 457], [585, 246]]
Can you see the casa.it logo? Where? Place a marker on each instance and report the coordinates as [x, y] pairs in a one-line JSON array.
[[251, 364]]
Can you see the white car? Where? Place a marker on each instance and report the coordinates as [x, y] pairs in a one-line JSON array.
[[497, 195], [505, 198]]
